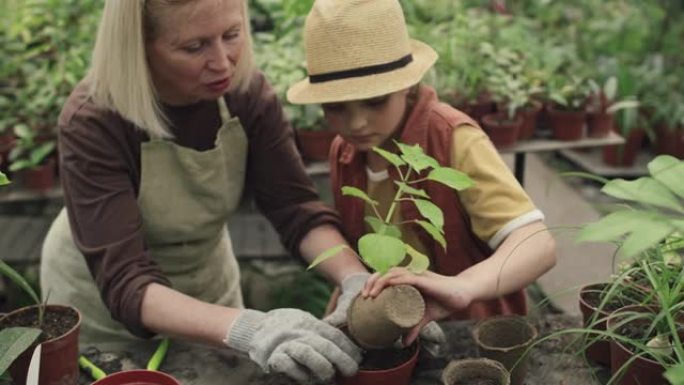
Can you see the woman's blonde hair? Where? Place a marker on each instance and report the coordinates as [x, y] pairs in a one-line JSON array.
[[119, 75]]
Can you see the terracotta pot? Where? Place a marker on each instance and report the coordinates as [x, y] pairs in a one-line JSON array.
[[59, 356], [41, 178], [137, 377], [479, 109], [500, 130], [599, 124], [462, 371], [566, 125], [505, 339], [670, 141], [376, 323], [641, 370], [595, 319], [6, 145], [624, 155], [314, 145], [530, 117], [398, 375]]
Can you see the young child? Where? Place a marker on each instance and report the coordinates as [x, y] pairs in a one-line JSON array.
[[365, 71]]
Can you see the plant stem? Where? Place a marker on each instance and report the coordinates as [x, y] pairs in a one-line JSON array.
[[400, 191]]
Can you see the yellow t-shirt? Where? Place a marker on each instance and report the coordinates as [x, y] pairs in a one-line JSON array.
[[496, 203]]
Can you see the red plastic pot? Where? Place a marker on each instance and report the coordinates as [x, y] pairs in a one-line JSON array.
[[59, 356], [500, 130], [624, 155], [399, 375], [595, 318], [138, 377], [599, 124], [566, 125]]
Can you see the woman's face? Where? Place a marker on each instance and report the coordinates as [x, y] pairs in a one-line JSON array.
[[369, 122], [195, 49]]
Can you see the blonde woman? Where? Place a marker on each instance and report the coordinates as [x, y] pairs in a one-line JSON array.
[[157, 145]]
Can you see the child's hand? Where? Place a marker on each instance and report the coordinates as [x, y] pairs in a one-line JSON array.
[[442, 294]]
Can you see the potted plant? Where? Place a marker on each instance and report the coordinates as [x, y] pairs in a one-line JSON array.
[[566, 114], [648, 227], [512, 90], [279, 56], [33, 158], [601, 106], [631, 125], [376, 323], [54, 327]]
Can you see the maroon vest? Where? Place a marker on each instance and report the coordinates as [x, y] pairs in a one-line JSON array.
[[430, 125]]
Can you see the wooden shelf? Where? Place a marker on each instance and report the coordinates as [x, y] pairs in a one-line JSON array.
[[542, 144], [592, 161]]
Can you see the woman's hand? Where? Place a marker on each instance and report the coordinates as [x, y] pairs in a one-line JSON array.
[[443, 295]]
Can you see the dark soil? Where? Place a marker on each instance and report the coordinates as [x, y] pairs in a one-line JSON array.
[[55, 323], [594, 298], [477, 381], [381, 359]]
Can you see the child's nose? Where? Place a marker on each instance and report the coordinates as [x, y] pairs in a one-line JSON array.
[[358, 121]]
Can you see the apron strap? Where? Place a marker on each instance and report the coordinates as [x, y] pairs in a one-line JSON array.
[[223, 110]]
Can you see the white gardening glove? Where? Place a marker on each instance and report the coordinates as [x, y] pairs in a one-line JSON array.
[[295, 343], [351, 286]]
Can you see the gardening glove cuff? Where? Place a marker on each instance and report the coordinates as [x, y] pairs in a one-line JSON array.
[[295, 343], [433, 339], [351, 286]]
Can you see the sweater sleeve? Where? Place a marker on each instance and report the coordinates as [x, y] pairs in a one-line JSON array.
[[275, 172], [100, 175]]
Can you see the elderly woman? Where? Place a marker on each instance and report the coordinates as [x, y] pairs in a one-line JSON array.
[[157, 145]]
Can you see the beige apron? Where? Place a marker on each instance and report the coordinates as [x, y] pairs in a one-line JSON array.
[[185, 199]]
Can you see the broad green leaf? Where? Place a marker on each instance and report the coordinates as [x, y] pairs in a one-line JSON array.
[[22, 131], [621, 105], [450, 177], [434, 232], [381, 227], [13, 342], [381, 252], [3, 179], [20, 281], [430, 211], [416, 158], [669, 171], [412, 191], [419, 261], [392, 158], [357, 193], [644, 190], [614, 225], [42, 151], [647, 237], [610, 88], [19, 165], [324, 256], [675, 374]]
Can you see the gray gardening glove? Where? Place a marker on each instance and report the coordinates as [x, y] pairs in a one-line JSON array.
[[295, 343], [351, 286], [432, 339]]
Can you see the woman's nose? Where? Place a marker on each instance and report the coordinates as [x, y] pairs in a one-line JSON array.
[[218, 60]]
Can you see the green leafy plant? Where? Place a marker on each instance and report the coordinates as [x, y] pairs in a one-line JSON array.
[[507, 79], [15, 340], [568, 92], [603, 98], [3, 179], [383, 247], [28, 152]]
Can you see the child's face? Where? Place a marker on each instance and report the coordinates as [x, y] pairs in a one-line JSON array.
[[369, 122]]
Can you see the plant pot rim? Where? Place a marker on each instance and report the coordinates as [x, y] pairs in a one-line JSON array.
[[511, 318], [413, 357], [482, 361], [79, 317], [133, 377]]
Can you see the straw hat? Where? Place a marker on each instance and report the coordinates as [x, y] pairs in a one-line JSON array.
[[358, 49]]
